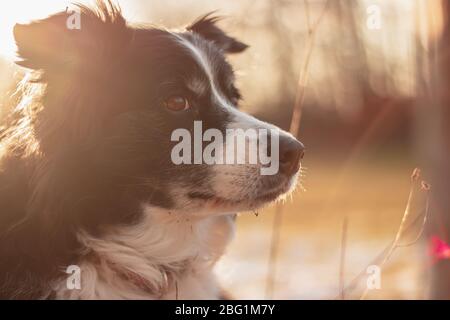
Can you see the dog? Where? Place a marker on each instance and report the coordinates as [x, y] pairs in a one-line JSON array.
[[87, 183]]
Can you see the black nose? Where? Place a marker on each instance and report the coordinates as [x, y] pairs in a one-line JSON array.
[[291, 153]]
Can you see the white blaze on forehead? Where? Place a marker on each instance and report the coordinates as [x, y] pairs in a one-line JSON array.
[[208, 67], [239, 119]]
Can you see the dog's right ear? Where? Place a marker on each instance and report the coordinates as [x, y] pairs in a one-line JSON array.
[[206, 26], [72, 38]]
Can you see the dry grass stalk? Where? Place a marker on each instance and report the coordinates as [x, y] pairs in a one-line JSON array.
[[342, 259], [304, 74], [294, 129], [274, 244], [406, 224]]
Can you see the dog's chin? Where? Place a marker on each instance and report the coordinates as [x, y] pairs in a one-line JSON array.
[[259, 199]]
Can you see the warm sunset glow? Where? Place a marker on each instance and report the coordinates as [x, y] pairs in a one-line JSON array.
[[12, 12], [93, 181]]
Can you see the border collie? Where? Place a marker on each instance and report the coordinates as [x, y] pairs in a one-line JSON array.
[[86, 177]]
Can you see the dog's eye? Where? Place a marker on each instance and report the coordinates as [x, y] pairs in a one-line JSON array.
[[177, 103]]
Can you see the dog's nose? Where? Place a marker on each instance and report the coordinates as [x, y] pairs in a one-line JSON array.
[[291, 153]]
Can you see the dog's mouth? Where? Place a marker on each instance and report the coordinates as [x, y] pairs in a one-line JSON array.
[[244, 203]]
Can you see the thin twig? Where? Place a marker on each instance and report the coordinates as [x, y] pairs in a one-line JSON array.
[[304, 74], [380, 258], [405, 225], [342, 259], [426, 188], [294, 129], [270, 282], [381, 255]]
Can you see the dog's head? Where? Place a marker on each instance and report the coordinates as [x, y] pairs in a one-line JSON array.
[[124, 104]]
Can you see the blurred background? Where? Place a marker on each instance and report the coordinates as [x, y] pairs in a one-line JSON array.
[[371, 79]]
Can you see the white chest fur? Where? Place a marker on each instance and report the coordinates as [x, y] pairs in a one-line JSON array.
[[173, 254]]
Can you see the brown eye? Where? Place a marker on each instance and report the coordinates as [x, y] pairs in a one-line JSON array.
[[177, 103]]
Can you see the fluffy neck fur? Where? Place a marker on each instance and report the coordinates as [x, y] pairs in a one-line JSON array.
[[173, 254]]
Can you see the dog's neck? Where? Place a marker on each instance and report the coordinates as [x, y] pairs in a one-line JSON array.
[[166, 255]]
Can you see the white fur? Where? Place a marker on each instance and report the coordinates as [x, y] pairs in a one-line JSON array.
[[172, 252]]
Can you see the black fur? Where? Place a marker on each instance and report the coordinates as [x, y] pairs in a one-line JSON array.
[[207, 28], [89, 141]]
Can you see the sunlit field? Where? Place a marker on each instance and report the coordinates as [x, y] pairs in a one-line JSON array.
[[309, 256]]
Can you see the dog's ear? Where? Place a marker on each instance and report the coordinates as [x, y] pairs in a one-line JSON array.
[[69, 39], [206, 26]]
